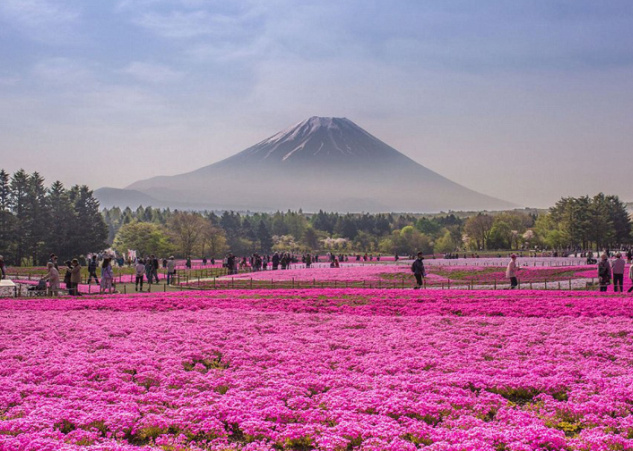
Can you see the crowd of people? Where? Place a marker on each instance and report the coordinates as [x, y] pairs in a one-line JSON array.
[[101, 271], [100, 268], [273, 262]]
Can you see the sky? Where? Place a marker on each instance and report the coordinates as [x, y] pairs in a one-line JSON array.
[[525, 100]]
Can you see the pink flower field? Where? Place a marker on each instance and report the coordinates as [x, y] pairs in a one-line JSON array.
[[318, 370], [400, 275]]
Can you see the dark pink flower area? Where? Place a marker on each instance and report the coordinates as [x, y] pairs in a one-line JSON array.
[[318, 369]]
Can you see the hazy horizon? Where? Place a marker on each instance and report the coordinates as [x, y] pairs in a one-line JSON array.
[[526, 102]]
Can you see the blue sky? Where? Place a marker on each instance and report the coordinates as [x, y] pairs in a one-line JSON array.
[[525, 100]]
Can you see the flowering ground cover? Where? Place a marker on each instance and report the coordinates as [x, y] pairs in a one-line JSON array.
[[399, 276], [318, 369]]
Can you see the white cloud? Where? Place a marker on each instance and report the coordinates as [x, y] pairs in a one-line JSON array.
[[153, 73]]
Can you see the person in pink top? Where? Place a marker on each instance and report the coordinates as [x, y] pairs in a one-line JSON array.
[[617, 268]]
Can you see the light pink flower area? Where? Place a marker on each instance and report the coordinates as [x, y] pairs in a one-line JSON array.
[[436, 274], [349, 273], [328, 370]]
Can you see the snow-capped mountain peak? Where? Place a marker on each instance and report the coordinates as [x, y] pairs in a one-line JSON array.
[[325, 163], [318, 138]]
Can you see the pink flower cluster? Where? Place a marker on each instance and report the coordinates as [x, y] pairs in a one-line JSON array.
[[329, 370]]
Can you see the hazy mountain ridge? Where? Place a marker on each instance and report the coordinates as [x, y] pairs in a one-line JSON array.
[[320, 163]]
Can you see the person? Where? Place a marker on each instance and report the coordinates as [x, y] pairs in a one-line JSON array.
[[631, 277], [155, 266], [52, 276], [140, 272], [107, 276], [53, 260], [511, 272], [418, 271], [276, 260], [308, 260], [75, 277], [92, 270], [149, 269], [188, 263], [604, 272], [3, 271], [67, 275], [171, 270], [617, 268], [230, 263]]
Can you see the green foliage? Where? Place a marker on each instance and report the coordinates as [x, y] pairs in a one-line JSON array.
[[429, 226], [445, 244], [601, 221], [144, 237], [407, 241], [36, 222], [572, 222]]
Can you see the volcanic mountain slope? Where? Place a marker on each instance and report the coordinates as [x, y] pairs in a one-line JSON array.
[[320, 163]]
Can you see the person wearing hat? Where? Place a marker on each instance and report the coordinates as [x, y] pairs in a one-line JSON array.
[[418, 271], [604, 272], [511, 272]]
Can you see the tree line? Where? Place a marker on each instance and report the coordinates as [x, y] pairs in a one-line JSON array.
[[572, 224], [37, 221]]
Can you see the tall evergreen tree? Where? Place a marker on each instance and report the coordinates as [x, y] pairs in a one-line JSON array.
[[7, 220], [62, 220], [39, 213], [90, 231], [264, 237], [20, 208]]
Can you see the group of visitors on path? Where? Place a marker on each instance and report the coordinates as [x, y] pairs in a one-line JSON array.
[[608, 271], [72, 275], [147, 267], [613, 271]]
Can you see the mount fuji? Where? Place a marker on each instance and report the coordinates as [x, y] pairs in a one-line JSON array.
[[320, 163]]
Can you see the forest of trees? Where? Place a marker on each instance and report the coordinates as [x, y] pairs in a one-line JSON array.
[[36, 221], [572, 224]]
